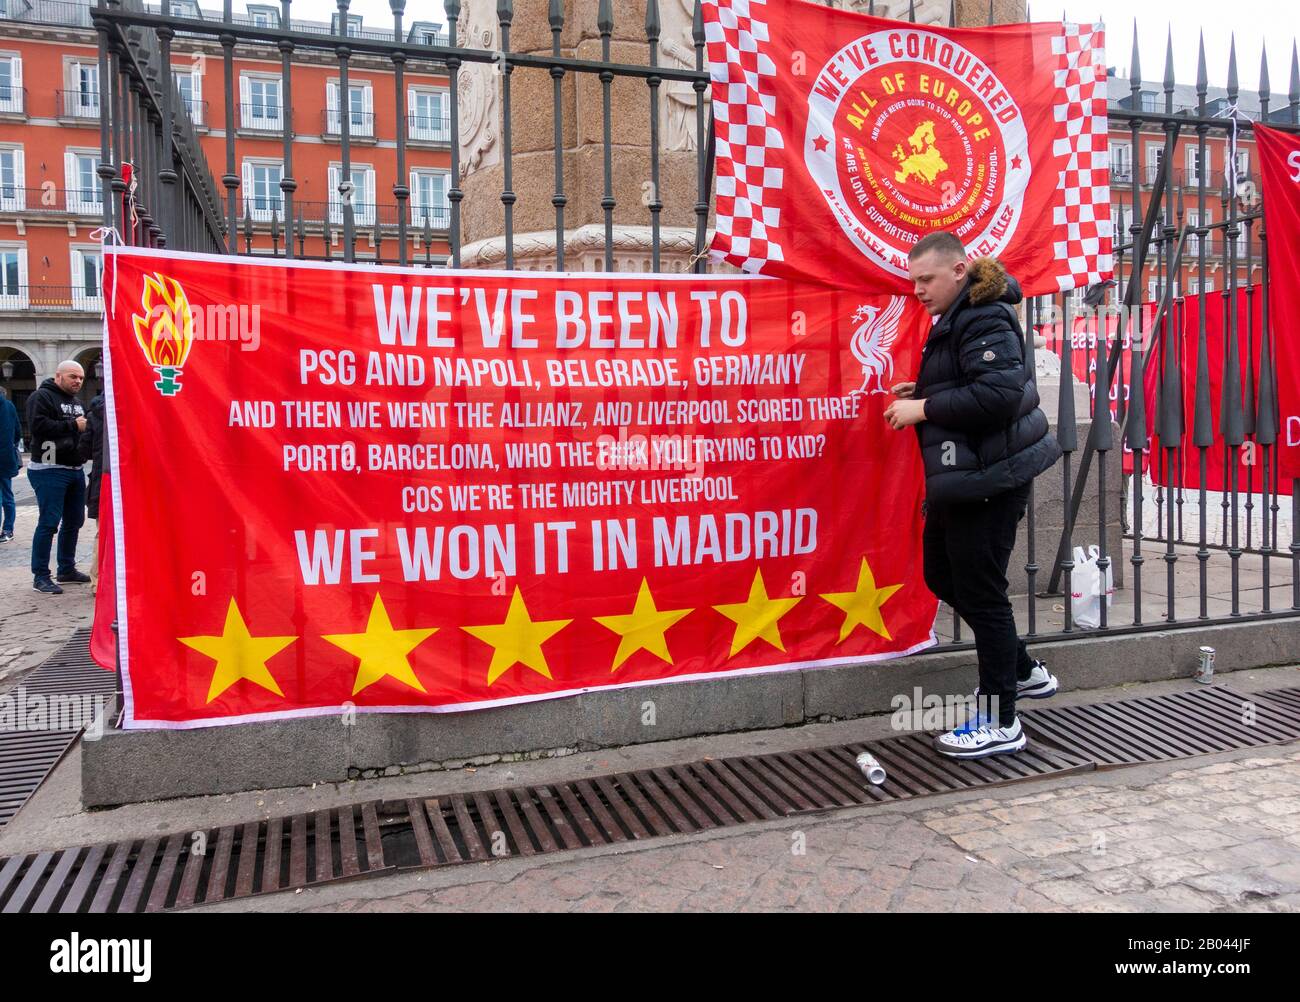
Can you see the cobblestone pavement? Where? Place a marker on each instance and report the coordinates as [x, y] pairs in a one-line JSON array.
[[32, 625], [1223, 834]]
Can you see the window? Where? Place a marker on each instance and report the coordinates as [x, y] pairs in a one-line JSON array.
[[1243, 164], [1194, 165], [190, 87], [262, 189], [186, 8], [1153, 290], [1121, 162], [1155, 153], [361, 109], [12, 193], [83, 90], [354, 25], [11, 84], [13, 276], [260, 98], [87, 279], [1193, 245], [1151, 101], [428, 114], [363, 195], [263, 17], [1121, 215], [429, 198], [85, 188]]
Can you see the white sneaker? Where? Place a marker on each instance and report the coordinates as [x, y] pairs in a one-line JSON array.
[[1040, 684], [977, 739]]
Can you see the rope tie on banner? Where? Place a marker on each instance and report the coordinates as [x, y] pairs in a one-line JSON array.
[[1233, 113], [105, 235]]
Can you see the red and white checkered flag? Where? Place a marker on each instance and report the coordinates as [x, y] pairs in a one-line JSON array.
[[842, 139]]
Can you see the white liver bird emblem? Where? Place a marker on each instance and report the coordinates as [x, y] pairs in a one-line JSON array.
[[873, 337]]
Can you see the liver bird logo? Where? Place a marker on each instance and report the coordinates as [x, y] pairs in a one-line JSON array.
[[876, 331]]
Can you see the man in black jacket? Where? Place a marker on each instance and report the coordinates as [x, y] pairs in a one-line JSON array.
[[983, 440], [56, 420]]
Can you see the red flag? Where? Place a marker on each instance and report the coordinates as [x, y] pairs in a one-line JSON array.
[[842, 139], [1279, 168], [410, 489], [103, 644], [1186, 469]]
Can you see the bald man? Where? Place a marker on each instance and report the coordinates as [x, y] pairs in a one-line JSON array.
[[56, 420]]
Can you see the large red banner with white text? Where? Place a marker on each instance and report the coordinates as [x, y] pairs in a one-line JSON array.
[[1279, 170], [841, 139], [418, 490]]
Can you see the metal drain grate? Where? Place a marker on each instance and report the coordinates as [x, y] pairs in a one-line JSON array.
[[1158, 728], [28, 756], [176, 871], [235, 861]]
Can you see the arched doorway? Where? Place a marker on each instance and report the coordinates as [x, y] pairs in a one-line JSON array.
[[91, 361], [18, 377]]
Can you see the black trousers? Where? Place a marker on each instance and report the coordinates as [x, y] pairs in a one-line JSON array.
[[967, 546]]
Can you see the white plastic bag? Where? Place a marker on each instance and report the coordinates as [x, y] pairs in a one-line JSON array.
[[1087, 589]]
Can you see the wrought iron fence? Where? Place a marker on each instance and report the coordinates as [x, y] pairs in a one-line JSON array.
[[1165, 258]]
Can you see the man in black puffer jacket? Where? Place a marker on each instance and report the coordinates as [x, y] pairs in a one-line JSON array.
[[983, 440]]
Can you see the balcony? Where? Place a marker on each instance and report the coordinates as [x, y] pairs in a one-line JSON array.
[[50, 299], [260, 117], [79, 105], [13, 101], [365, 215], [428, 128], [50, 201], [361, 124]]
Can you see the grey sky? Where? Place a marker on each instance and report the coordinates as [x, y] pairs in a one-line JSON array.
[[1250, 20]]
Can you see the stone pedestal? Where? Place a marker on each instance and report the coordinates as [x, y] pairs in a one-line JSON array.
[[582, 148]]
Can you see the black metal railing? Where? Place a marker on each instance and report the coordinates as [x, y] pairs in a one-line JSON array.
[[13, 100], [428, 128], [1138, 523], [51, 299], [261, 116], [361, 124], [79, 104], [50, 200]]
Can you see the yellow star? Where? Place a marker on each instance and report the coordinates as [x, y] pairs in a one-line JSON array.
[[518, 640], [383, 651], [862, 605], [238, 655], [757, 616], [643, 628]]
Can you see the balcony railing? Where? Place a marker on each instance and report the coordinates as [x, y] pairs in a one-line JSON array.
[[361, 124], [260, 117], [314, 214], [50, 200], [428, 128], [50, 299], [79, 104], [13, 100]]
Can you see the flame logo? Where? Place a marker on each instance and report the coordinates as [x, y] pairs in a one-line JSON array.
[[166, 330]]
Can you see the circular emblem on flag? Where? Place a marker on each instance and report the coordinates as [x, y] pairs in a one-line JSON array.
[[909, 133]]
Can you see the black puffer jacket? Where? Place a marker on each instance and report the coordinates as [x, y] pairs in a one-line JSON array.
[[984, 433]]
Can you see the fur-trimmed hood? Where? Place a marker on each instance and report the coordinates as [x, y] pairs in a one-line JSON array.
[[989, 283]]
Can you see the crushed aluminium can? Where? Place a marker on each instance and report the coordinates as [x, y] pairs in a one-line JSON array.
[[1205, 665]]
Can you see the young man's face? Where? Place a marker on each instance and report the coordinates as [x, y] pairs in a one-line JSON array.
[[937, 278]]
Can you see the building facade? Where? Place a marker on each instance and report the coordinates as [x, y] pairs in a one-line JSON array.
[[51, 195]]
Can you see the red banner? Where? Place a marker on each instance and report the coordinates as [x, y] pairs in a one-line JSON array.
[[1185, 471], [842, 139], [436, 490], [1085, 331], [1279, 168]]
